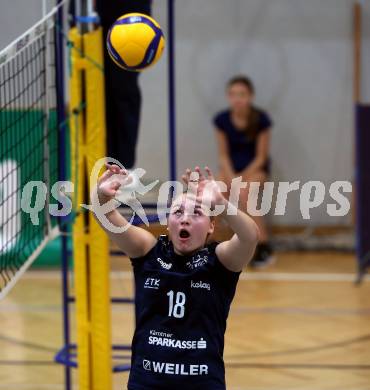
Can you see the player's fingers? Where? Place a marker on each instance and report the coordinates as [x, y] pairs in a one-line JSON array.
[[110, 167], [200, 173], [185, 179], [209, 173], [192, 179], [187, 174], [114, 185], [114, 168], [106, 175]]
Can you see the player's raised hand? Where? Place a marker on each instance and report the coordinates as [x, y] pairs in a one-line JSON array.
[[204, 186], [110, 182]]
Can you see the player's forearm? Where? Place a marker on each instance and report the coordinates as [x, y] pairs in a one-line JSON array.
[[113, 216], [241, 224], [237, 252], [130, 239]]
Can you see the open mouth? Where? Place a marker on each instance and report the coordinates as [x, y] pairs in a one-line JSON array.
[[184, 233]]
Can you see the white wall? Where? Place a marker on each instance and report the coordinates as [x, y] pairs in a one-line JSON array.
[[17, 16], [366, 50], [299, 54]]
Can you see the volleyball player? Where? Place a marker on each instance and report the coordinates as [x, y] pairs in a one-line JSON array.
[[183, 286]]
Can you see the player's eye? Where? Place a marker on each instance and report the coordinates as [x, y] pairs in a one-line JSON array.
[[199, 211], [178, 212]]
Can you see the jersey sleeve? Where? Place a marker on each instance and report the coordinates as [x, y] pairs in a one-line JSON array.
[[265, 122], [219, 121], [226, 274], [227, 278], [138, 262], [161, 248]]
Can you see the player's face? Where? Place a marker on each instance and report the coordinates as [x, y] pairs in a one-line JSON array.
[[188, 225], [239, 97]]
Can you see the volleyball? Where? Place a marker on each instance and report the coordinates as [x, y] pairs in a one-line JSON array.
[[135, 41]]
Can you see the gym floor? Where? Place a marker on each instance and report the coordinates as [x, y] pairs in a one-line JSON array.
[[300, 324]]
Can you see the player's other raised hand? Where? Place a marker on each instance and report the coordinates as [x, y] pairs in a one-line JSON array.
[[110, 182]]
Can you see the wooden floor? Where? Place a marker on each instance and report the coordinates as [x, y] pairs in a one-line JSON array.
[[301, 324]]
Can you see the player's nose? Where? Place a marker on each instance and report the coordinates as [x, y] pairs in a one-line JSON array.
[[185, 219]]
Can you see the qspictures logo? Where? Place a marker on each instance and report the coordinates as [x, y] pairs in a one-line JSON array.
[[270, 198]]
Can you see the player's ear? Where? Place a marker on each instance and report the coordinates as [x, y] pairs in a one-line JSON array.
[[211, 225]]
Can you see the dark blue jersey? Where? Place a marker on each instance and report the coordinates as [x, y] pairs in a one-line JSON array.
[[182, 303], [242, 150]]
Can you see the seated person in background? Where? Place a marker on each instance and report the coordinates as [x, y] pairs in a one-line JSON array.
[[243, 137]]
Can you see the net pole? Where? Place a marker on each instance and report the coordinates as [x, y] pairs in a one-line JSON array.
[[171, 88], [44, 7], [90, 12], [80, 251], [78, 14], [84, 13], [80, 243], [356, 206], [62, 175], [357, 32], [97, 239], [46, 151]]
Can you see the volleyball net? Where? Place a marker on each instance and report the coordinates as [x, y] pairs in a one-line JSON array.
[[29, 148], [35, 123]]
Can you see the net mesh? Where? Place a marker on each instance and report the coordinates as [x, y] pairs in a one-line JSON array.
[[29, 148]]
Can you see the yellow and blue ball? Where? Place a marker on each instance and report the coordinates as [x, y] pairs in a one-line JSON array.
[[135, 41]]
